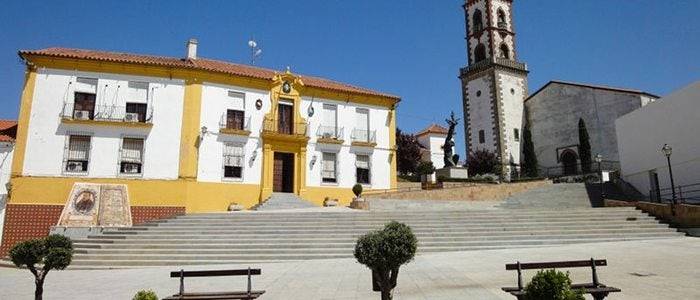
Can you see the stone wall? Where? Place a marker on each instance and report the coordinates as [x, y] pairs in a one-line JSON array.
[[685, 215], [461, 191]]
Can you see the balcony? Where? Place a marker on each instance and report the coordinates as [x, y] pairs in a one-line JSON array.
[[289, 131], [489, 62], [329, 135], [234, 126], [364, 138], [108, 115]]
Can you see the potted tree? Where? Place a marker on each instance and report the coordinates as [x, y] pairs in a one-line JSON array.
[[384, 252], [357, 201]]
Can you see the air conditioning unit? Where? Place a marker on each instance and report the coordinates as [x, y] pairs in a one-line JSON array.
[[130, 168], [75, 166], [81, 115], [131, 117]]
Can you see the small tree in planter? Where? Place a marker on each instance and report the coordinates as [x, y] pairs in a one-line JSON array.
[[424, 169], [53, 252], [357, 190], [551, 285], [384, 251]]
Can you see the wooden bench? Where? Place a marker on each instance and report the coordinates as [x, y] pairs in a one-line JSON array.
[[248, 294], [598, 290]]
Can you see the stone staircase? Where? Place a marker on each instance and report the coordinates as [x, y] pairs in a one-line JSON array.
[[280, 201], [250, 237]]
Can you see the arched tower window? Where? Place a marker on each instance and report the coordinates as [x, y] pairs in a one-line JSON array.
[[505, 52], [501, 19], [477, 24], [479, 53]]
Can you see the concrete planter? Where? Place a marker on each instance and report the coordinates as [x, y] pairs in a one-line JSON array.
[[359, 203]]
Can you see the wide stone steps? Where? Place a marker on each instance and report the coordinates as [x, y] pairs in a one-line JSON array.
[[277, 236]]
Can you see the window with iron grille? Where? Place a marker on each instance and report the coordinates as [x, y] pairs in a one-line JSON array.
[[329, 168], [235, 119], [77, 154], [84, 106], [362, 167], [482, 138], [131, 160], [138, 109], [233, 161]]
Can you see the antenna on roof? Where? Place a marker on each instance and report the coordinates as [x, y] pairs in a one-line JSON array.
[[255, 51]]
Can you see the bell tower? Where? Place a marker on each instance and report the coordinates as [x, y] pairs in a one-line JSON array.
[[494, 83]]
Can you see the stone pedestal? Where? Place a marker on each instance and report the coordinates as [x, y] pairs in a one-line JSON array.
[[452, 172], [359, 203]]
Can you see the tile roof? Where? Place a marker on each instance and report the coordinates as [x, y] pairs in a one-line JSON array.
[[203, 64], [8, 130], [433, 128]]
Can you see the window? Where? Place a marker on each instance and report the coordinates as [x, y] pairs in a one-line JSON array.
[[480, 53], [84, 98], [330, 121], [482, 139], [361, 132], [477, 21], [131, 160], [136, 112], [77, 154], [516, 134], [329, 170], [362, 164], [235, 119], [505, 52], [501, 19], [233, 161]]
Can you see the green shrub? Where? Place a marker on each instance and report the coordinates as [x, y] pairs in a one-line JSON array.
[[384, 252], [53, 252], [425, 168], [551, 285], [357, 189], [145, 295]]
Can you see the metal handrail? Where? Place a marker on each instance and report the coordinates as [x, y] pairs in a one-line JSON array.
[[330, 132], [224, 124], [111, 113], [271, 125], [363, 135]]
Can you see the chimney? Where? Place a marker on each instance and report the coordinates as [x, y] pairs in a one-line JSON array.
[[192, 49]]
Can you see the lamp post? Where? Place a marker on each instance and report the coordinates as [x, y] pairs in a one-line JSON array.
[[667, 150], [599, 159]]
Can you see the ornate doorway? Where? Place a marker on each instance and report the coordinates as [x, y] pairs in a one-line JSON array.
[[283, 173]]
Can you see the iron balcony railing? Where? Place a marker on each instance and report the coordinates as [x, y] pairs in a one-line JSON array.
[[509, 63], [364, 136], [330, 132], [273, 125], [234, 124], [112, 113]]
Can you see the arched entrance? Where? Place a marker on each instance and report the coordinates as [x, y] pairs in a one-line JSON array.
[[570, 161]]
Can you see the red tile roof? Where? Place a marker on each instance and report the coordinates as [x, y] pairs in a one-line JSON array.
[[8, 130], [203, 64], [433, 128]]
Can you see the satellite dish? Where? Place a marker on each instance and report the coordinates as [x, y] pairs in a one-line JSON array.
[[252, 44]]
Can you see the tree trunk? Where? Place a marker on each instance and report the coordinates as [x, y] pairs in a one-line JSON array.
[[39, 290]]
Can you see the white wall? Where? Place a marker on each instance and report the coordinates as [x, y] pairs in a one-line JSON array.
[[380, 164], [47, 135], [480, 114], [433, 143], [642, 133], [215, 102], [6, 151], [512, 89]]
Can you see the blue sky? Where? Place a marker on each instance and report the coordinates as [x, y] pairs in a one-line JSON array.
[[410, 48]]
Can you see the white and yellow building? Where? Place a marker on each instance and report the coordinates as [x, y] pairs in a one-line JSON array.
[[192, 134]]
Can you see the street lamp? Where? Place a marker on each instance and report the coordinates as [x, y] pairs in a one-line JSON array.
[[667, 150], [599, 159]]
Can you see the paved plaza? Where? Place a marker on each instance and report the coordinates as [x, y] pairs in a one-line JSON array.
[[658, 269]]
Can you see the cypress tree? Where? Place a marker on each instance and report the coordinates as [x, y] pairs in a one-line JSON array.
[[584, 145], [529, 156]]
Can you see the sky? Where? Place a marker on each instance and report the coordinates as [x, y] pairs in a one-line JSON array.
[[413, 49]]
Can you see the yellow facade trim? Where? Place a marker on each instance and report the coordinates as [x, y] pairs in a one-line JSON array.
[[25, 110], [230, 131], [394, 183], [190, 132]]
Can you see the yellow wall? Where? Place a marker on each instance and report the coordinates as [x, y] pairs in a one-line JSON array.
[[25, 109], [318, 194], [189, 136]]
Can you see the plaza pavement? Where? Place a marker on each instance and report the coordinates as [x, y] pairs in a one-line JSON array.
[[655, 269]]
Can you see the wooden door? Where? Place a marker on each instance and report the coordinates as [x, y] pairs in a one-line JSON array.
[[283, 173], [278, 173]]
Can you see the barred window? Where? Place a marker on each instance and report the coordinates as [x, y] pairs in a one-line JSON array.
[[77, 154], [482, 138], [516, 134], [233, 161], [329, 170], [131, 161], [362, 167]]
